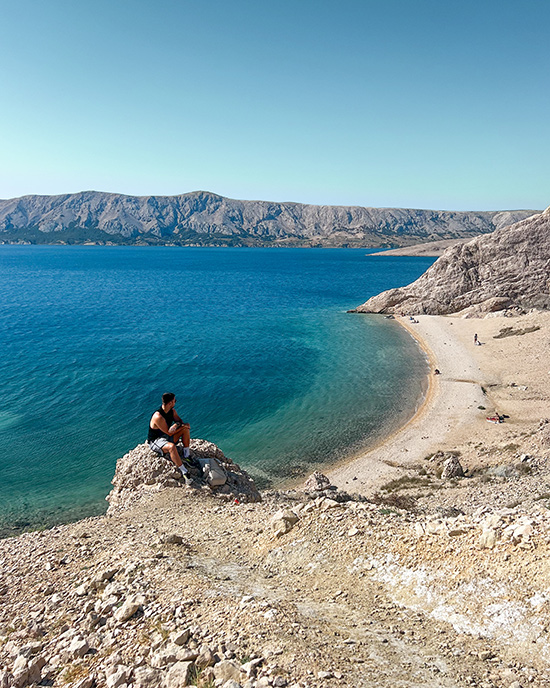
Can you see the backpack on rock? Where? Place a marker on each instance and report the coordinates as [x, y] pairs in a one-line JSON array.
[[212, 472]]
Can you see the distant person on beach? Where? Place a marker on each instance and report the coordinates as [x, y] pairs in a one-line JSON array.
[[166, 428], [476, 340]]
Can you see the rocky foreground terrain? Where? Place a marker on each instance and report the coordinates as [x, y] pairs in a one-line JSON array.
[[437, 579], [206, 219], [509, 268]]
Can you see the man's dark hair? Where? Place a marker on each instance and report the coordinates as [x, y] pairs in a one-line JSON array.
[[167, 397]]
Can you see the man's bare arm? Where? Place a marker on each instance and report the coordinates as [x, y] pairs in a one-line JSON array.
[[159, 422], [179, 420]]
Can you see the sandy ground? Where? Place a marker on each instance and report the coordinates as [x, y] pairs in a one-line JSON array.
[[508, 376]]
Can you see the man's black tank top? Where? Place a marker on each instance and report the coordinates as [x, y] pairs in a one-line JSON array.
[[155, 433]]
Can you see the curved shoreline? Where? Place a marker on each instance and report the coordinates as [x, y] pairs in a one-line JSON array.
[[358, 453], [413, 407], [450, 403]]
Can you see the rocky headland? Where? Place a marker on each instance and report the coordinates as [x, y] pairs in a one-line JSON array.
[[206, 219], [509, 268]]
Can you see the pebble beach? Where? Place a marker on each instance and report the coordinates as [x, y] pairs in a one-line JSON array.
[[509, 376]]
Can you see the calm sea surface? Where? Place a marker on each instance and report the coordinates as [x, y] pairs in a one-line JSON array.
[[255, 343]]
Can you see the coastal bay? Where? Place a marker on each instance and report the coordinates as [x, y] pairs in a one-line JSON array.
[[92, 336], [317, 581]]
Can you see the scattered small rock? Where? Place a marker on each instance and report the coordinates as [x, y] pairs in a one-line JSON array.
[[129, 608]]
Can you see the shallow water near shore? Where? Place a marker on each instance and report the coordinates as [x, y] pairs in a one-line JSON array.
[[255, 343]]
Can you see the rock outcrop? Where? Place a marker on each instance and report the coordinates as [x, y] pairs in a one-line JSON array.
[[141, 471], [206, 219], [509, 268]]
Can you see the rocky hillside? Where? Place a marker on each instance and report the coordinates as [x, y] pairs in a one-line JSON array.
[[509, 268], [181, 585], [206, 219]]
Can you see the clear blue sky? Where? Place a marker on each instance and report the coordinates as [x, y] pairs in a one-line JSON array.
[[425, 103]]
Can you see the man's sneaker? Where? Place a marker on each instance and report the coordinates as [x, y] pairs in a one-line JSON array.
[[186, 479]]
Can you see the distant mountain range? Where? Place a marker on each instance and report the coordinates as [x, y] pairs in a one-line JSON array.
[[201, 218]]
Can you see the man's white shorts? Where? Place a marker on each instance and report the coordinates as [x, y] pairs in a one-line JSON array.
[[158, 444]]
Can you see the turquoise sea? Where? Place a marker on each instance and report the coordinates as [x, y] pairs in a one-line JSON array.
[[255, 343]]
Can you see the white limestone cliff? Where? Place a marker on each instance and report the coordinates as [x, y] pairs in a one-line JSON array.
[[508, 268]]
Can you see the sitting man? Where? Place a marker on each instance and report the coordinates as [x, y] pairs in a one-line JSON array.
[[166, 428]]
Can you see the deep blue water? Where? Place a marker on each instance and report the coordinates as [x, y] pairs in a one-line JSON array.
[[255, 343]]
